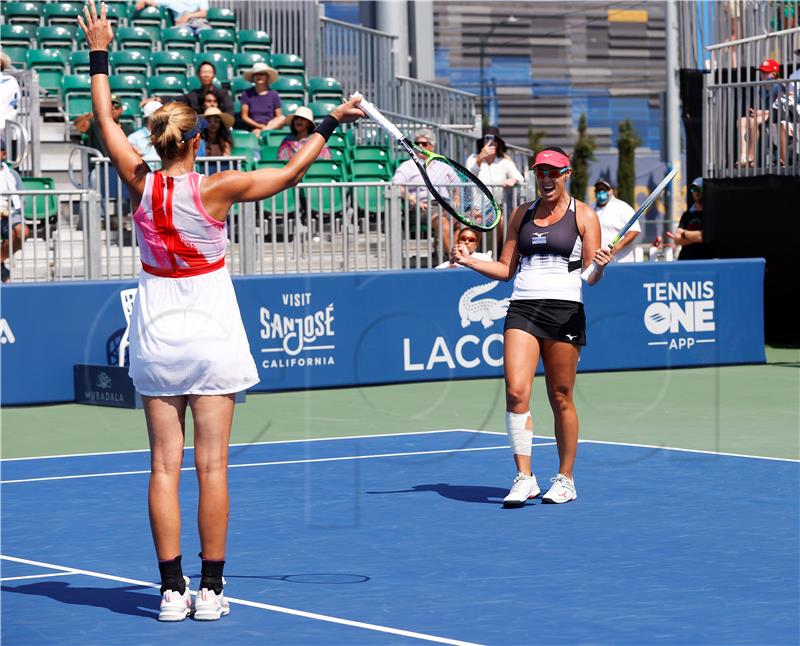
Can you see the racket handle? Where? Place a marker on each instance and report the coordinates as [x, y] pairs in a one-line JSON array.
[[382, 121], [587, 273]]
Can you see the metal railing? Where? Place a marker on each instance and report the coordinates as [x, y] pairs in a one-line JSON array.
[[705, 23], [755, 129], [28, 157], [361, 59], [739, 60], [437, 103]]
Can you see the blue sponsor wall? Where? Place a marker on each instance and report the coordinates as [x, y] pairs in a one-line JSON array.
[[313, 331]]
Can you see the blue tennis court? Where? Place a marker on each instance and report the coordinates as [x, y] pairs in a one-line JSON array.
[[402, 539]]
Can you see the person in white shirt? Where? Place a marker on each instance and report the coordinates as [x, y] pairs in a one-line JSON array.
[[469, 239], [614, 214], [140, 139], [493, 166], [9, 92]]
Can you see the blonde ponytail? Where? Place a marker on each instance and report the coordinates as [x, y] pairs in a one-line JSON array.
[[167, 127]]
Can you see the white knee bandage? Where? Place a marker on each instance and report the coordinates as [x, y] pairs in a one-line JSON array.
[[519, 436]]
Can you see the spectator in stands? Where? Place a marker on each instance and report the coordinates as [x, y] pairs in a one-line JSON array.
[[196, 98], [301, 123], [140, 139], [210, 101], [689, 234], [750, 126], [469, 239], [614, 214], [786, 118], [261, 107], [413, 189], [9, 91], [217, 134], [86, 124], [492, 165], [191, 13], [12, 231]]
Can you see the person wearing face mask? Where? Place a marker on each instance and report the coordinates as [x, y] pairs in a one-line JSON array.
[[614, 214]]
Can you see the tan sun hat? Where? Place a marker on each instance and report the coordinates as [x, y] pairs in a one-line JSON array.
[[259, 68], [227, 119], [304, 113]]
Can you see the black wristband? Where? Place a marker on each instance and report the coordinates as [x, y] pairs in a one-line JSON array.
[[98, 62], [326, 128]]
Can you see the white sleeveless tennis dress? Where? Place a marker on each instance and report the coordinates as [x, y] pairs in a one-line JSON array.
[[186, 333]]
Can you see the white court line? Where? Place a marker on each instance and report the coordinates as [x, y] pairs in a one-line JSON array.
[[311, 439], [267, 464], [36, 576], [662, 448], [255, 604]]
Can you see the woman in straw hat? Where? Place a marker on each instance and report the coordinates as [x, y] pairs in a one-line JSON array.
[[217, 133], [301, 123], [188, 346], [261, 107]]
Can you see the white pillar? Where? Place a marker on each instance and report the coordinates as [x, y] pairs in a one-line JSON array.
[[672, 111], [422, 40], [392, 17]]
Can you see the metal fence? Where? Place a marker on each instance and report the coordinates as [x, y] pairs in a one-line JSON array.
[[437, 103], [751, 124], [23, 132]]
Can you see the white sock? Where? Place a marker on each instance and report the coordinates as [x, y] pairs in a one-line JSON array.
[[519, 436]]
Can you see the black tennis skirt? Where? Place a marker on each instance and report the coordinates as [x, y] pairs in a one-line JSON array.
[[549, 319]]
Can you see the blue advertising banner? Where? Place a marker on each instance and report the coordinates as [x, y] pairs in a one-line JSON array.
[[314, 331]]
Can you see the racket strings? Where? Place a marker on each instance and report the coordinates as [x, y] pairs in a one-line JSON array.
[[461, 194]]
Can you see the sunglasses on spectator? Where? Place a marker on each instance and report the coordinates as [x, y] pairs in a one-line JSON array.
[[422, 142], [552, 173], [467, 239]]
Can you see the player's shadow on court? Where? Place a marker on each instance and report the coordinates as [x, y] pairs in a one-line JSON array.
[[461, 493], [127, 600]]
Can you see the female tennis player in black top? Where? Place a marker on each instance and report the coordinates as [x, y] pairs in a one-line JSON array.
[[550, 241]]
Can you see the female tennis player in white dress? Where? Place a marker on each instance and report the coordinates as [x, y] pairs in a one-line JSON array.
[[550, 241], [188, 345]]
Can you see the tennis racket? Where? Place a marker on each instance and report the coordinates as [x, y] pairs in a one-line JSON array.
[[459, 192], [587, 273]]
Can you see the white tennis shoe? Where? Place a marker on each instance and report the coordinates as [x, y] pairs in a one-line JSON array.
[[176, 606], [210, 606], [524, 488], [562, 490]]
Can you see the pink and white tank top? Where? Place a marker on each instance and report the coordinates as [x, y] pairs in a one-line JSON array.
[[176, 235]]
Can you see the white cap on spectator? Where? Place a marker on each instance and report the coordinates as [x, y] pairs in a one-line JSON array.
[[150, 107]]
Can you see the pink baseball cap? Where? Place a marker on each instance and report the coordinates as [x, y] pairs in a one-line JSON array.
[[550, 158]]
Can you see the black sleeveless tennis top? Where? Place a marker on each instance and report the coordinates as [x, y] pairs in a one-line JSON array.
[[550, 258]]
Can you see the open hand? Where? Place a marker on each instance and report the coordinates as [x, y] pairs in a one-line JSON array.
[[97, 28], [349, 110]]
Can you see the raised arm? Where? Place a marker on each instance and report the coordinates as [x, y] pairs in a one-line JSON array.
[[505, 267], [220, 191], [132, 170]]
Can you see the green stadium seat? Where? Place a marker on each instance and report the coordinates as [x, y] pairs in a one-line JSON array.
[[245, 140], [65, 13], [22, 13], [282, 203], [337, 141], [131, 112], [366, 152], [220, 60], [178, 38], [289, 87], [323, 200], [18, 55], [16, 40], [269, 153], [221, 17], [289, 65], [40, 207], [127, 85], [50, 64], [136, 38], [79, 62], [149, 17], [172, 62], [249, 40], [216, 40], [289, 106], [337, 155], [370, 198], [167, 85], [324, 87], [327, 169], [245, 61], [61, 37], [130, 61], [76, 94], [321, 109], [274, 137], [239, 84], [117, 13], [359, 170]]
